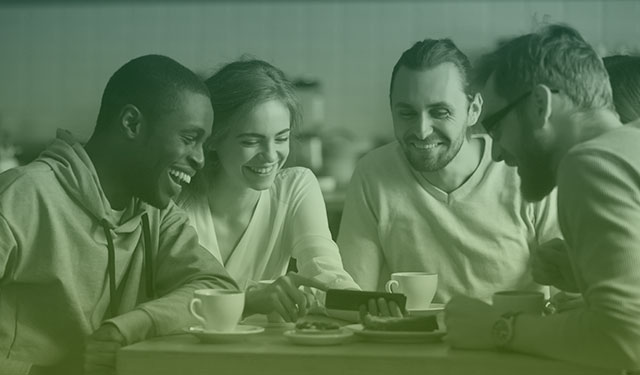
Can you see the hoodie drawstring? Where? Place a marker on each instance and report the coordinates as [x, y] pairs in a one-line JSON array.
[[111, 263], [111, 268], [148, 258]]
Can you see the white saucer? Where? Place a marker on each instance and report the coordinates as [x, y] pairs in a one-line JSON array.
[[332, 338], [396, 336], [239, 333], [433, 309]]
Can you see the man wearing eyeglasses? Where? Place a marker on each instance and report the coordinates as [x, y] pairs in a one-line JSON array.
[[550, 110], [433, 200]]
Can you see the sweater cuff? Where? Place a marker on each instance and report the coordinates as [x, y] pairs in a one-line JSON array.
[[135, 326]]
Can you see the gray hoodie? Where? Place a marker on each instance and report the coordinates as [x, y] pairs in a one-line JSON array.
[[66, 265]]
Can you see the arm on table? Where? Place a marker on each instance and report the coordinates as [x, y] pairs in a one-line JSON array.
[[599, 210], [181, 266], [283, 296], [598, 213]]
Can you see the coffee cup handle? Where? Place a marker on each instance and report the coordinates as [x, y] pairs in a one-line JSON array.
[[390, 285], [192, 309]]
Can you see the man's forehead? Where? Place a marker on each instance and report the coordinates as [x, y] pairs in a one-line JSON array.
[[193, 110], [492, 102], [434, 84]]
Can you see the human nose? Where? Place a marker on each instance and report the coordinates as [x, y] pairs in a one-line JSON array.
[[424, 126], [197, 157], [269, 152]]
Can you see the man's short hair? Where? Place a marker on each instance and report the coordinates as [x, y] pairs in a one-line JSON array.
[[152, 83], [556, 56], [429, 53], [624, 75]]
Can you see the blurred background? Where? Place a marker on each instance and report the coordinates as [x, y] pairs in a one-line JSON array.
[[56, 57]]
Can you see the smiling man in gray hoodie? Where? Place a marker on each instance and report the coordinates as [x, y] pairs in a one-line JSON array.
[[94, 255]]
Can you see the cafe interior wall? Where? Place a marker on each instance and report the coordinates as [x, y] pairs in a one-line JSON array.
[[56, 56]]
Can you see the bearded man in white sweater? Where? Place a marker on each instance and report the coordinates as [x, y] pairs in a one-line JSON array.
[[433, 200]]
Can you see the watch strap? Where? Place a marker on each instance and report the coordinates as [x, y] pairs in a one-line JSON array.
[[503, 329]]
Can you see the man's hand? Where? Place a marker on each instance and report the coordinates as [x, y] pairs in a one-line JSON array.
[[551, 266], [282, 296], [469, 323], [100, 350], [563, 301], [381, 307]]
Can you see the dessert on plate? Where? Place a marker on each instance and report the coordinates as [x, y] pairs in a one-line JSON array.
[[314, 328]]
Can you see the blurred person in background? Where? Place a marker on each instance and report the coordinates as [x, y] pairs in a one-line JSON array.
[[252, 214], [94, 255], [550, 109], [433, 200]]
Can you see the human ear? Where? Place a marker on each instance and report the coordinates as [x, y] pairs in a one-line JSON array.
[[131, 121], [542, 109], [475, 109]]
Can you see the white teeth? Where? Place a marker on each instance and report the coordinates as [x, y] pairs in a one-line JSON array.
[[424, 146], [183, 177], [263, 170]]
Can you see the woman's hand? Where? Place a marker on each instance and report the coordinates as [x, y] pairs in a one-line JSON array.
[[282, 296]]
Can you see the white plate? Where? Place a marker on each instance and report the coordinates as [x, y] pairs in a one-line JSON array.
[[433, 309], [239, 333], [396, 336], [332, 338]]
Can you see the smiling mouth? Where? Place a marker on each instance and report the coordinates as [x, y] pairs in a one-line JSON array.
[[262, 170], [425, 145], [179, 177]]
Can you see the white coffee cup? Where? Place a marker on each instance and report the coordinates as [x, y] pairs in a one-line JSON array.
[[419, 287], [217, 309], [519, 301]]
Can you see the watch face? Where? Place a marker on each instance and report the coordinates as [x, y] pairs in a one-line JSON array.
[[501, 332]]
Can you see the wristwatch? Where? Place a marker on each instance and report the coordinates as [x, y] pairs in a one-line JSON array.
[[502, 331]]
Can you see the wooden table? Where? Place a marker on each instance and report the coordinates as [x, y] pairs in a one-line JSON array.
[[270, 353]]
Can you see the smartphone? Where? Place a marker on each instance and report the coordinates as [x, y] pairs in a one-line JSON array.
[[351, 300]]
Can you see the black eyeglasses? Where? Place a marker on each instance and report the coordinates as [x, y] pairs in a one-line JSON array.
[[490, 123]]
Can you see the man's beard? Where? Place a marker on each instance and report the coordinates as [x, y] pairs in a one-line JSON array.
[[537, 185], [536, 174], [424, 162]]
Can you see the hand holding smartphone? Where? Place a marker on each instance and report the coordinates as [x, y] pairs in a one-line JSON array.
[[352, 300]]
